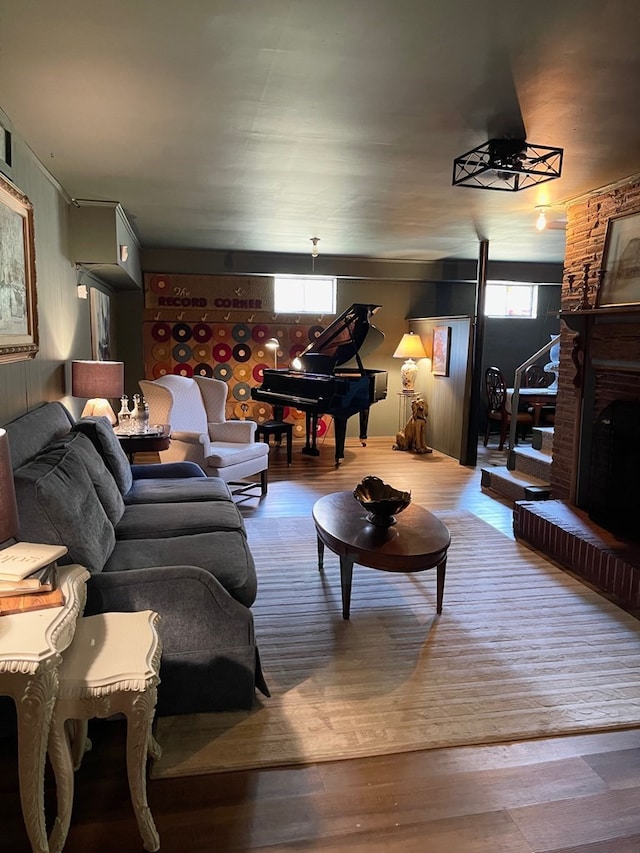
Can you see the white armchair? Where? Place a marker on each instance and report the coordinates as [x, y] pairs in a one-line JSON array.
[[195, 409]]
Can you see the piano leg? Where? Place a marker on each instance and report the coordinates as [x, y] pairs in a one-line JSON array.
[[340, 430], [312, 428], [364, 426]]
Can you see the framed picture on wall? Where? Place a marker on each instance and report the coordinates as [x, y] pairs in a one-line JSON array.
[[441, 348], [100, 325], [621, 263], [18, 305]]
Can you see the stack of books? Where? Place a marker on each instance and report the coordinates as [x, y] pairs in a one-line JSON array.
[[28, 577]]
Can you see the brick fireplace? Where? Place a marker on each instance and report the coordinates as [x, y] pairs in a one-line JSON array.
[[599, 375]]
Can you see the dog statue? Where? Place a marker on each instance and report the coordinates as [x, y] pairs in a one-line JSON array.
[[414, 436]]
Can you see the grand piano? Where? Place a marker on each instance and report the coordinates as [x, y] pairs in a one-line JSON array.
[[322, 382]]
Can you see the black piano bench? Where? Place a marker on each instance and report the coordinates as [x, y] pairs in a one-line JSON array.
[[263, 431]]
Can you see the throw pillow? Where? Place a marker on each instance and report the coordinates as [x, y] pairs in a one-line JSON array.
[[58, 505], [106, 487], [101, 433]]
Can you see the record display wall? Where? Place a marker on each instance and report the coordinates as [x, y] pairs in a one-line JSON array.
[[233, 352]]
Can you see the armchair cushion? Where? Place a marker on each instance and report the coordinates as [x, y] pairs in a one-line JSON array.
[[222, 454], [104, 439]]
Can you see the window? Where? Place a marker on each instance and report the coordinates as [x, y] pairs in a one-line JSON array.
[[511, 299], [304, 295]]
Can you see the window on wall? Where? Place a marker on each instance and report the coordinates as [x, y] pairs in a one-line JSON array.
[[304, 295], [511, 299]]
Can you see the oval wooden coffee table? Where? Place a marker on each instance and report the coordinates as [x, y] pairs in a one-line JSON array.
[[417, 542]]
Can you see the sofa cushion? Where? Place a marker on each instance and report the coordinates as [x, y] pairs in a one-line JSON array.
[[58, 504], [109, 495], [166, 520], [177, 490], [104, 439], [224, 553]]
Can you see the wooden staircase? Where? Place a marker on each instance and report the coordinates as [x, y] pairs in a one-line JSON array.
[[530, 479]]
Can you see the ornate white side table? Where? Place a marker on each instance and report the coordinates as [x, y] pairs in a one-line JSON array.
[[110, 668], [30, 647]]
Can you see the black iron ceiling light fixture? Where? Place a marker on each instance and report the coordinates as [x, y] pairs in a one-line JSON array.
[[508, 165]]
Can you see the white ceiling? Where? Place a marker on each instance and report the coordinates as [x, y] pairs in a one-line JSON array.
[[254, 125]]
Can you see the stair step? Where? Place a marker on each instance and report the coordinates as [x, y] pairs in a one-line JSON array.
[[512, 484], [542, 439], [533, 462]]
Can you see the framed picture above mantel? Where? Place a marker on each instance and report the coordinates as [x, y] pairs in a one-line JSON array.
[[18, 303], [621, 263]]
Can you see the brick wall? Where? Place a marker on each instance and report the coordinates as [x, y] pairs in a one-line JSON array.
[[587, 221]]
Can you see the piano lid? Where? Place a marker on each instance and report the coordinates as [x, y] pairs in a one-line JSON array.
[[342, 340]]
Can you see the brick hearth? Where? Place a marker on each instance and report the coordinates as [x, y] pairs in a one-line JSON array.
[[570, 538]]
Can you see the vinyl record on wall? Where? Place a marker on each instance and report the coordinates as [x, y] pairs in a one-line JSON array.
[[241, 391], [161, 368], [241, 352], [222, 372], [183, 370], [202, 333], [181, 332], [222, 352], [202, 352], [260, 333], [158, 284], [242, 372], [258, 372], [241, 332], [161, 352], [203, 369], [181, 353], [161, 332]]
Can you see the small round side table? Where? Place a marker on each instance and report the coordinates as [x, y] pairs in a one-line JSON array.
[[152, 442]]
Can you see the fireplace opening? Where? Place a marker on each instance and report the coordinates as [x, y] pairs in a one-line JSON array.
[[614, 476]]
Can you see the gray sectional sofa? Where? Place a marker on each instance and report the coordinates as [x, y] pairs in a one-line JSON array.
[[163, 537]]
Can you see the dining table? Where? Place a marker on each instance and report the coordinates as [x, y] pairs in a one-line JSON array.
[[535, 398]]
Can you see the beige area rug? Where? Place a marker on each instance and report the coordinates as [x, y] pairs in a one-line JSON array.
[[520, 651]]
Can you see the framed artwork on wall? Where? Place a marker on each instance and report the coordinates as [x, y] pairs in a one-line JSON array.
[[621, 263], [100, 305], [18, 304], [5, 151], [441, 348]]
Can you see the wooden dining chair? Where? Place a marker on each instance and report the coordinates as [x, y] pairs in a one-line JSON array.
[[536, 377], [496, 389]]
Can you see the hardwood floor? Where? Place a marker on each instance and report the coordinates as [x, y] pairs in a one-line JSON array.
[[561, 795]]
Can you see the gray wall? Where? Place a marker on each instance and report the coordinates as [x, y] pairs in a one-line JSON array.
[[64, 322], [63, 319]]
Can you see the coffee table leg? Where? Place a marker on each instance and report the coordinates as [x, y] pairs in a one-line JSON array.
[[442, 568], [346, 574], [320, 554]]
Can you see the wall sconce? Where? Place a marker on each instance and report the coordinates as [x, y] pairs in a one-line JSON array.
[[541, 221], [273, 344], [98, 380], [410, 347]]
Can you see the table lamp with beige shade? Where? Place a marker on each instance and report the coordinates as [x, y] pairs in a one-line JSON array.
[[99, 381], [409, 348]]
